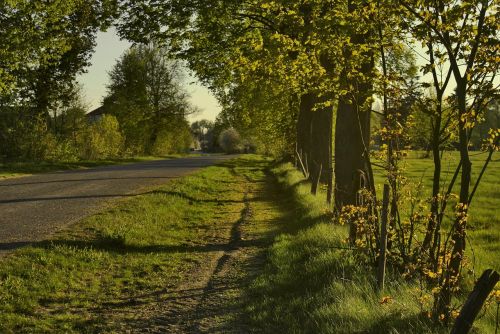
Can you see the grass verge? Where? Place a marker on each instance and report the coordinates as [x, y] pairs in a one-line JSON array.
[[104, 274], [18, 169]]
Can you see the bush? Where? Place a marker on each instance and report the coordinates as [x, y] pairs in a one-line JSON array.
[[28, 140], [230, 141], [175, 138], [101, 139]]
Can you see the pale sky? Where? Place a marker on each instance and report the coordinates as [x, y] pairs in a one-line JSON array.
[[109, 49]]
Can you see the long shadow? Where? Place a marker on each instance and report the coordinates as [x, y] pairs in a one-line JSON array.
[[160, 165], [294, 217], [7, 246], [291, 221], [170, 193], [116, 245], [215, 287], [3, 184], [193, 199]]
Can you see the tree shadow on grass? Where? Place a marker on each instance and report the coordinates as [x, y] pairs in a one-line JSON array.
[[192, 199], [119, 246], [293, 217]]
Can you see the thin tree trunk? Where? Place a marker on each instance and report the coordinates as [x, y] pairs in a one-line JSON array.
[[460, 226]]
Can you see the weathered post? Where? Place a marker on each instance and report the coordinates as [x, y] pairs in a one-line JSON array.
[[383, 240], [302, 167], [475, 302]]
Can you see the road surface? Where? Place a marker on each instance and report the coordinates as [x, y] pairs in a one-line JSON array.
[[34, 207]]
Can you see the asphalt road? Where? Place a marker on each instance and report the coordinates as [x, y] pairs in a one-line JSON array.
[[34, 207]]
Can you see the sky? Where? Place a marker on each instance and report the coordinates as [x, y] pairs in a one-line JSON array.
[[109, 48]]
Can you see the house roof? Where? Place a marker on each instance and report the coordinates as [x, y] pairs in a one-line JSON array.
[[96, 112]]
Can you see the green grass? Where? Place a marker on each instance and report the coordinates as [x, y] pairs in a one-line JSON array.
[[484, 220], [312, 284], [93, 277], [18, 169]]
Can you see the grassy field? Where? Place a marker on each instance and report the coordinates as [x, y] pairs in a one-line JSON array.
[[18, 169], [484, 221]]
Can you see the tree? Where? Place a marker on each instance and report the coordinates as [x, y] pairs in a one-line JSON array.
[[230, 141], [203, 132], [289, 42], [102, 139], [45, 44], [51, 83], [146, 96]]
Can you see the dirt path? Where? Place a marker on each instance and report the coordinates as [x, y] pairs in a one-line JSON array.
[[210, 298]]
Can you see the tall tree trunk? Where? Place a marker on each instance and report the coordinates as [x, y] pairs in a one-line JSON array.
[[352, 137], [352, 131], [304, 125], [320, 141], [329, 193], [436, 184]]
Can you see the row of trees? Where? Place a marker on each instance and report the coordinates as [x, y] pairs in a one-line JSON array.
[[291, 77], [45, 45], [284, 69]]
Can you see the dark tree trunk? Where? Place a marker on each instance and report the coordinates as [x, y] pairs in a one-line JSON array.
[[329, 193], [321, 141], [304, 125], [436, 185], [475, 302], [352, 131], [352, 137]]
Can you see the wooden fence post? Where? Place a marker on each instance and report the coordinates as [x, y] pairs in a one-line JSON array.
[[302, 167], [383, 240], [475, 302]]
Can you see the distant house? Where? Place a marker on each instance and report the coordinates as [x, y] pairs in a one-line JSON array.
[[95, 115]]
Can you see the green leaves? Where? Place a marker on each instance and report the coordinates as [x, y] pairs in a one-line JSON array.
[[146, 96], [40, 33]]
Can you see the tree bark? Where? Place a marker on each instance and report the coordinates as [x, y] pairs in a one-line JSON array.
[[304, 125], [352, 131], [352, 137], [475, 302]]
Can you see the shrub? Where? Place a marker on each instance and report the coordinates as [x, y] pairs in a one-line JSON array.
[[175, 138], [31, 141], [230, 141], [101, 139]]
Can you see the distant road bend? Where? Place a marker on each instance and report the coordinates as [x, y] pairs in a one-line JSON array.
[[34, 207]]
